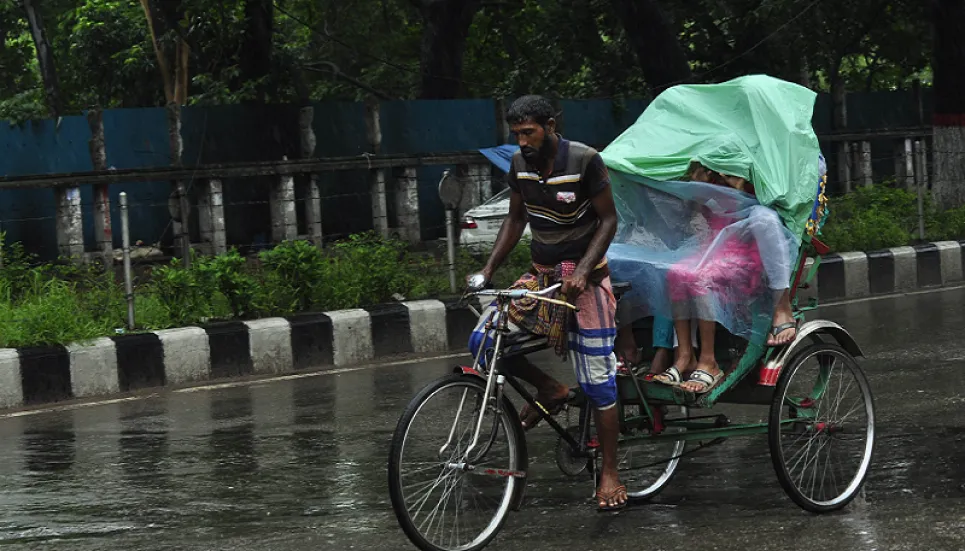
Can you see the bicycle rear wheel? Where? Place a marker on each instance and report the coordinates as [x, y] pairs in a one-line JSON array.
[[444, 498], [822, 448]]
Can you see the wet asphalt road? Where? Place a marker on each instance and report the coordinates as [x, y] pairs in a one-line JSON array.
[[300, 465]]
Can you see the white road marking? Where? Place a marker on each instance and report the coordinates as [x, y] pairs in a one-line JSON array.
[[218, 386], [270, 380], [68, 407], [958, 287]]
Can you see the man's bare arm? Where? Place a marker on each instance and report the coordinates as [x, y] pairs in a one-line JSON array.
[[509, 234], [607, 212]]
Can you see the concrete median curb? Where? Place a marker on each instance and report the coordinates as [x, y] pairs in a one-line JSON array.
[[309, 341]]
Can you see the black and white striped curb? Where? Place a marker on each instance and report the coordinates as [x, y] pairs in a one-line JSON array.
[[123, 363], [854, 275]]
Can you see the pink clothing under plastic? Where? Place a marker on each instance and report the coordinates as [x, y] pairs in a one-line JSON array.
[[730, 268]]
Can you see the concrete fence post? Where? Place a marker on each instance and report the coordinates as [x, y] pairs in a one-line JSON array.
[[313, 206], [103, 234], [407, 204], [284, 225], [373, 125], [211, 218]]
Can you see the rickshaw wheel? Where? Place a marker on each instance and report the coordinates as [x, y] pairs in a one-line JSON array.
[[646, 467], [822, 428]]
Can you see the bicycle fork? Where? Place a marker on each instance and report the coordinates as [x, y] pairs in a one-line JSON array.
[[492, 394]]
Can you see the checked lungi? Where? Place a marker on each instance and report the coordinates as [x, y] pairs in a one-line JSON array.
[[589, 333]]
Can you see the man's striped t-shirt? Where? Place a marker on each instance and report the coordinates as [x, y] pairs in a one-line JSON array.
[[561, 214]]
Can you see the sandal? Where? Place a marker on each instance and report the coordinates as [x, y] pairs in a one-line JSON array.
[[670, 377], [778, 329], [529, 417], [709, 381], [605, 498]]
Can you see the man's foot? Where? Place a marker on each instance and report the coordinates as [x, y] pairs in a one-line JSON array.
[[611, 495], [627, 359], [553, 401], [704, 378]]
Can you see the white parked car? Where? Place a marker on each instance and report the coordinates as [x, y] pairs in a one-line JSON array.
[[480, 225]]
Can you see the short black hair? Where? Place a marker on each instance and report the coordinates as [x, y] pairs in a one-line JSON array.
[[535, 108]]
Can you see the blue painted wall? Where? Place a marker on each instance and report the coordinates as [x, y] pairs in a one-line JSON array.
[[39, 147], [239, 133]]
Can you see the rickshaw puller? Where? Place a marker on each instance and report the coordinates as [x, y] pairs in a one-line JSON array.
[[562, 189]]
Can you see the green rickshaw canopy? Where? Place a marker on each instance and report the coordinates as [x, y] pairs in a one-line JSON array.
[[756, 127]]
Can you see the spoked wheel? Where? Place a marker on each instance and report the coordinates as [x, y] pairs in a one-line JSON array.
[[647, 466], [446, 496], [822, 428]]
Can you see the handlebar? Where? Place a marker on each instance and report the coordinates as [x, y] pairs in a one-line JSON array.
[[516, 294]]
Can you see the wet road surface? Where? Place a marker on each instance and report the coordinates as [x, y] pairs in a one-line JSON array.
[[299, 464]]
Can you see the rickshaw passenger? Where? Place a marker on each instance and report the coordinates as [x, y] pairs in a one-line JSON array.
[[738, 267]]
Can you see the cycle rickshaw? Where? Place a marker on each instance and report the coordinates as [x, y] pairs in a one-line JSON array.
[[458, 459]]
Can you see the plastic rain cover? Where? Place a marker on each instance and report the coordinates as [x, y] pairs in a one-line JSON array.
[[695, 250]]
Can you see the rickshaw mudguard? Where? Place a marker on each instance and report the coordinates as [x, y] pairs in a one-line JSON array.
[[811, 329]]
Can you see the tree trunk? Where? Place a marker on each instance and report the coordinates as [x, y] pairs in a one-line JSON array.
[[839, 95], [256, 47], [659, 52], [804, 72], [173, 60], [949, 117], [45, 58], [445, 28]]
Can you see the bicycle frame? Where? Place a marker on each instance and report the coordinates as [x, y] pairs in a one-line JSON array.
[[498, 324]]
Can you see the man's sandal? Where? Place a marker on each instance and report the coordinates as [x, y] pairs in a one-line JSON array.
[[670, 377], [529, 417], [703, 377], [778, 329], [612, 495]]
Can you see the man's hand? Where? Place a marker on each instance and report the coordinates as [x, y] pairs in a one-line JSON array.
[[574, 285], [478, 281]]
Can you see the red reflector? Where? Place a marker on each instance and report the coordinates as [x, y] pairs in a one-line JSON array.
[[469, 224]]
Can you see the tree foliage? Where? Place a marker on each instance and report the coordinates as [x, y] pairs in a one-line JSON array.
[[296, 50]]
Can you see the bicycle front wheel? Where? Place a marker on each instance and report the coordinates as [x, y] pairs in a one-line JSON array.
[[446, 496]]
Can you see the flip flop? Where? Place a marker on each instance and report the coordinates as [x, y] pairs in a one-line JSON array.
[[554, 407], [606, 497], [670, 377], [778, 329], [709, 381]]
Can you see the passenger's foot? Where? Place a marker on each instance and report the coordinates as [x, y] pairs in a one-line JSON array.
[[662, 360], [784, 329], [677, 373], [552, 400], [704, 378], [611, 495], [784, 326]]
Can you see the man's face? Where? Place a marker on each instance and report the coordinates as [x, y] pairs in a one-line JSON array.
[[534, 141]]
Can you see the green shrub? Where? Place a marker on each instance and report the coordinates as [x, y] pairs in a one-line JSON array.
[[947, 226], [230, 275], [290, 275], [364, 270], [151, 313], [867, 231], [186, 294], [53, 315], [875, 217]]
